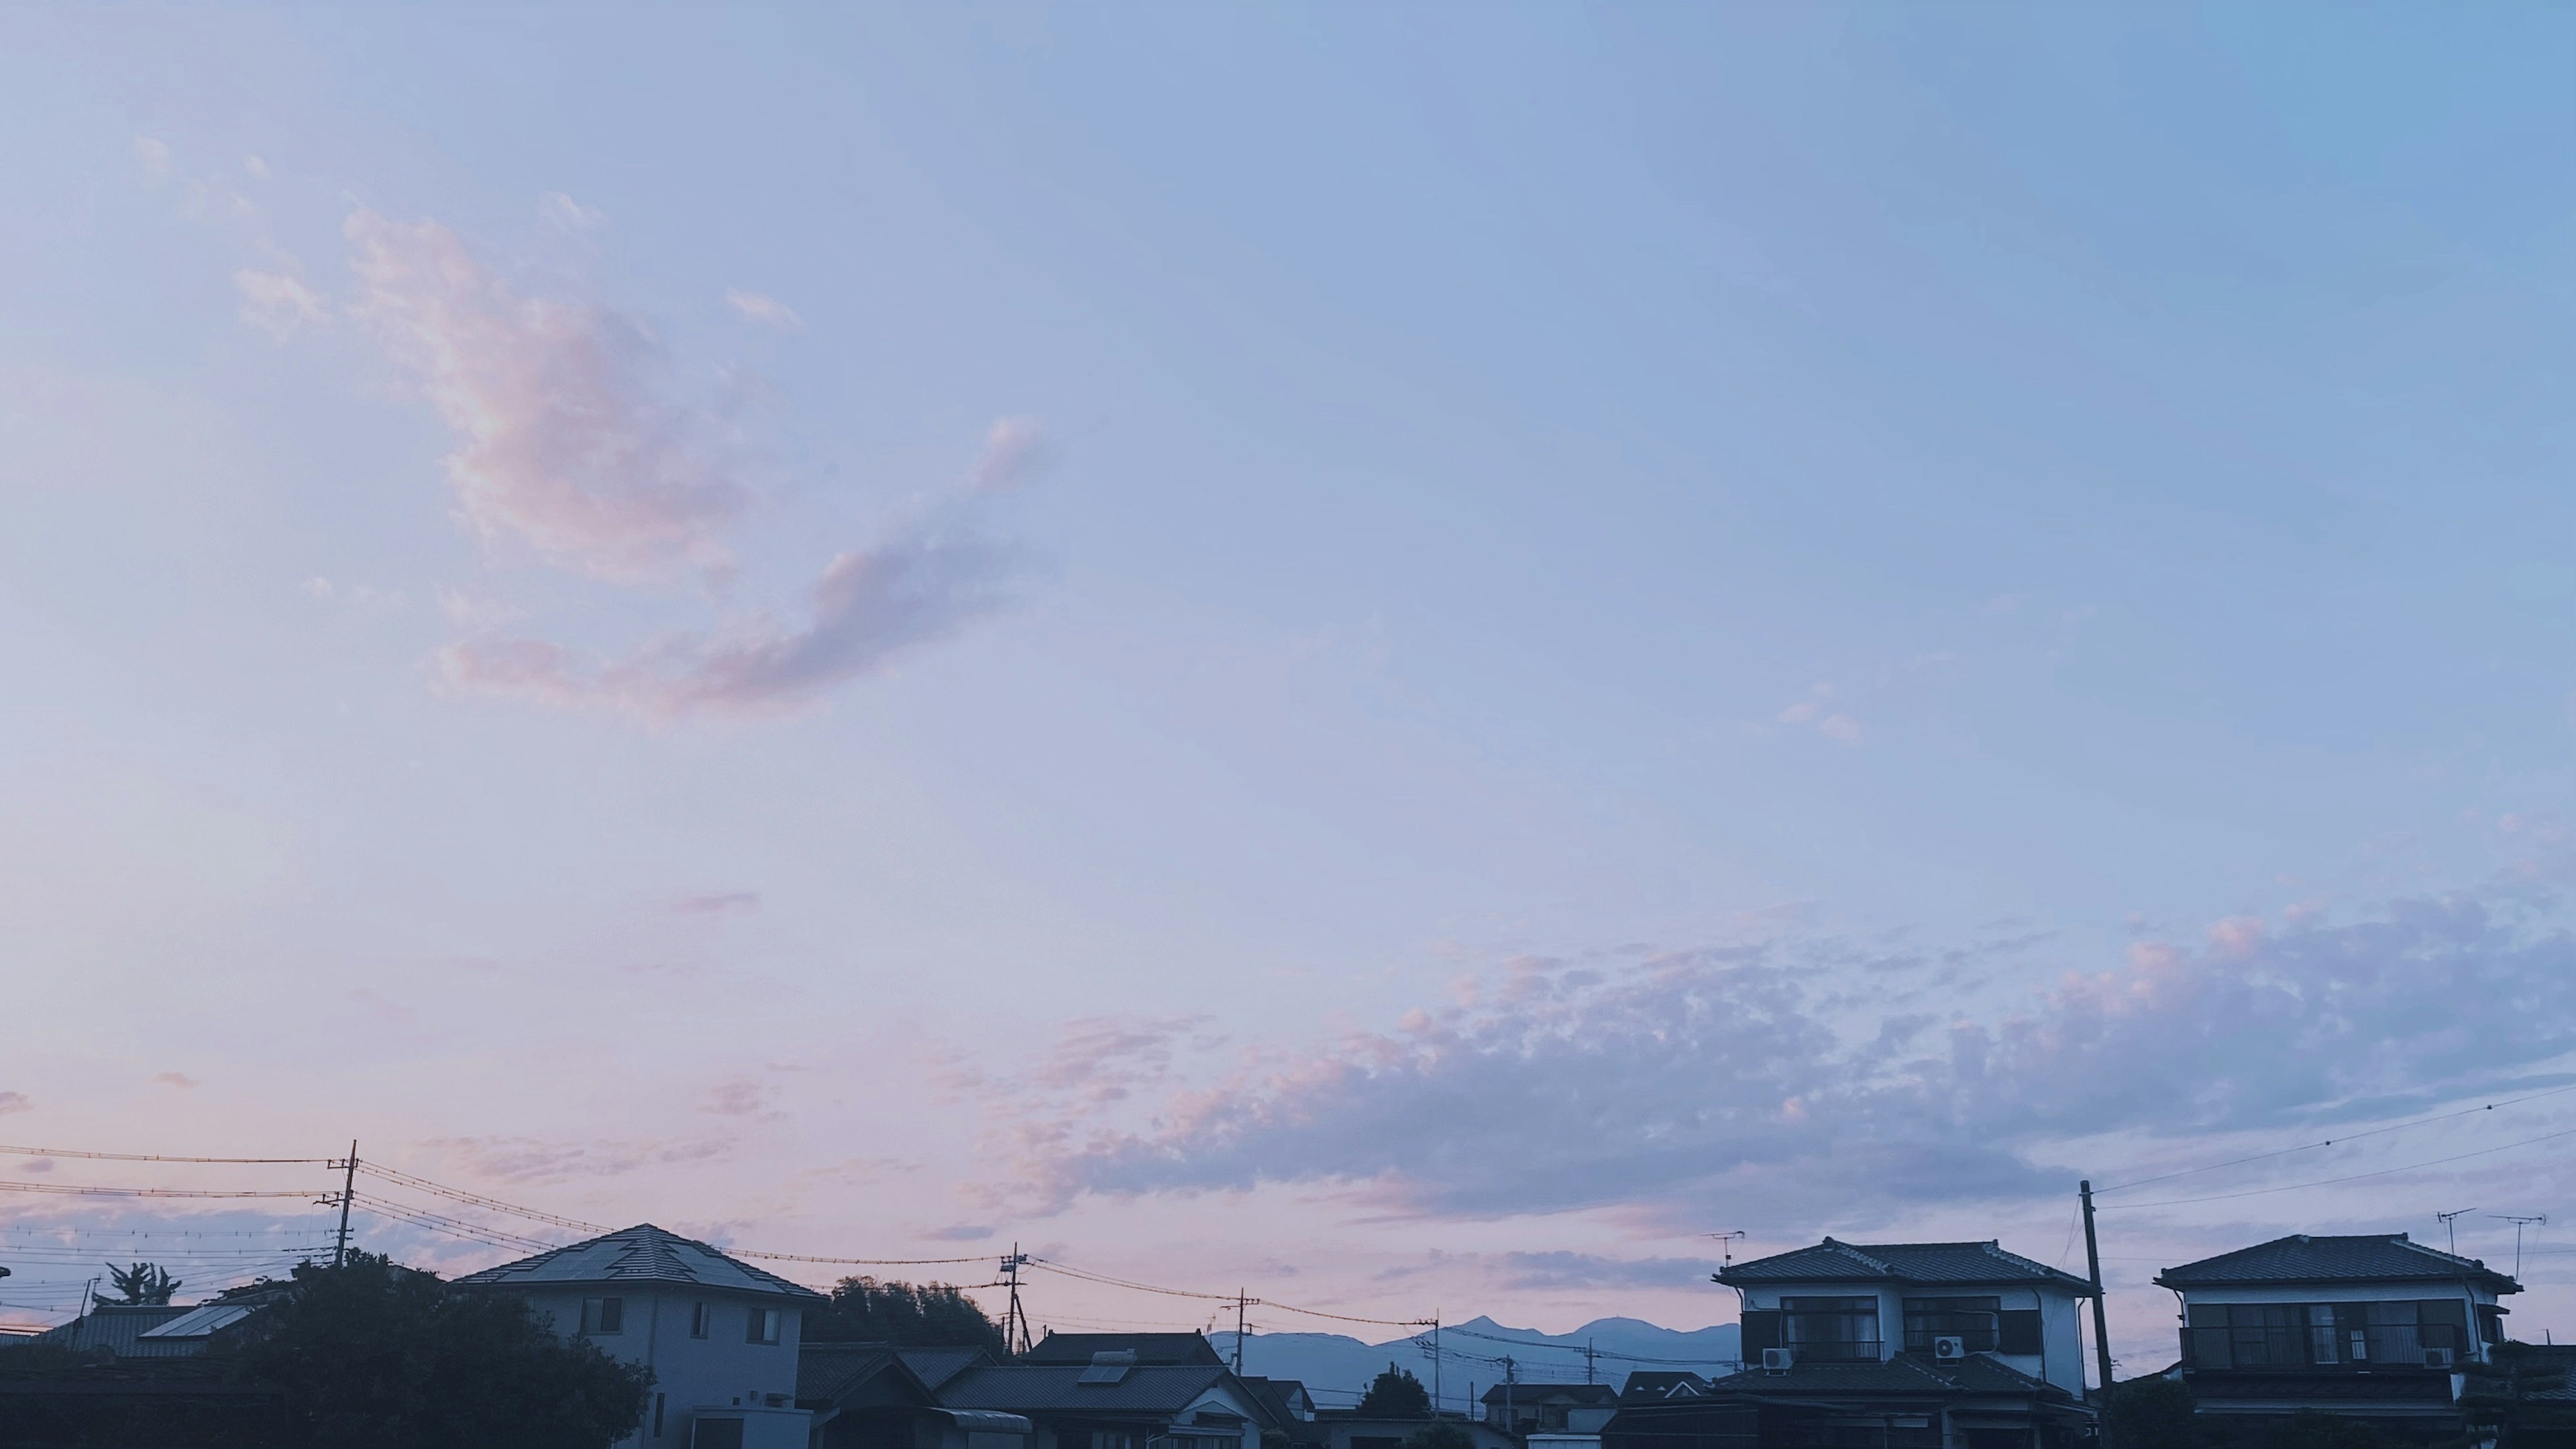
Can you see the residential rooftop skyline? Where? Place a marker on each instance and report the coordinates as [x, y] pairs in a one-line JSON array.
[[1406, 661]]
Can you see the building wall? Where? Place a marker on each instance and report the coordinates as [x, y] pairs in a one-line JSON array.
[[2473, 1298], [2061, 1357], [722, 1370]]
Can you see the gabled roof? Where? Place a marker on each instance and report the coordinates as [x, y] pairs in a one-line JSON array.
[[116, 1327], [639, 1256], [2360, 1258], [825, 1372], [1541, 1393], [936, 1366], [1041, 1388], [1149, 1348], [1944, 1263], [1654, 1385]]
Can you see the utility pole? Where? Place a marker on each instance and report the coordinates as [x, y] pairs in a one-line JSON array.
[[1240, 1301], [1436, 1398], [1588, 1356], [1015, 1320], [348, 1187], [2451, 1225], [1509, 1379], [2093, 1262], [2518, 1222]]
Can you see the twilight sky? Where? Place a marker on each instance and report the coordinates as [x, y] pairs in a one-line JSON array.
[[1405, 657]]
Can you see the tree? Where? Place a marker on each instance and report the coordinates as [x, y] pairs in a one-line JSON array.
[[864, 1310], [2152, 1413], [1395, 1394], [1440, 1434], [373, 1355], [142, 1283]]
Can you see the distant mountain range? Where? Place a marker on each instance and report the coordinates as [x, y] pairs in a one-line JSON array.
[[1336, 1368]]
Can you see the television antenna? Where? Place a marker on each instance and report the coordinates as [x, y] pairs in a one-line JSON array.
[[2518, 1221], [2450, 1224], [1726, 1246]]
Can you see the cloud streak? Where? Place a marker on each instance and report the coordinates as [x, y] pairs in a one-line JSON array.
[[868, 606], [1762, 1075]]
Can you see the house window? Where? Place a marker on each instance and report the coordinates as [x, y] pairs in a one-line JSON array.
[[1831, 1329], [1977, 1322], [765, 1324], [602, 1316], [702, 1317], [2322, 1335]]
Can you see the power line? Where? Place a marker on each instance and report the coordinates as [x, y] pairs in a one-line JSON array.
[[63, 1189], [2355, 1177], [2328, 1142], [160, 1157]]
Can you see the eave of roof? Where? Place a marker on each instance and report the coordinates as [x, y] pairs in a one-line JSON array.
[[2344, 1258]]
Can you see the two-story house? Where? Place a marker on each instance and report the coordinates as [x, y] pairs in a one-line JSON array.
[[1908, 1345], [2370, 1327], [719, 1334], [1119, 1391]]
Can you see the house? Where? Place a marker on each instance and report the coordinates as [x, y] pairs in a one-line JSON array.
[[1149, 1348], [1291, 1408], [720, 1335], [113, 1329], [2372, 1326], [1655, 1386], [1544, 1408], [1119, 1391], [1350, 1429], [1909, 1345], [881, 1396]]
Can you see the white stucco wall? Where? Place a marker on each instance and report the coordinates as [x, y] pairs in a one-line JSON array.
[[2060, 1361], [722, 1370]]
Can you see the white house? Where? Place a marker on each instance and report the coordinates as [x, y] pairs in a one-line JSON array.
[[2371, 1327], [720, 1335], [1908, 1345]]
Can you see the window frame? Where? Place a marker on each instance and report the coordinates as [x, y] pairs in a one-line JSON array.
[[765, 1326], [603, 1317]]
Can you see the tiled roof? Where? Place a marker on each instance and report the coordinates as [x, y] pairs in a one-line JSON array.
[[1838, 1262], [1910, 1374], [2361, 1258], [825, 1371], [639, 1256], [1529, 1393], [117, 1327], [1163, 1348], [1655, 1385], [1039, 1388], [936, 1366]]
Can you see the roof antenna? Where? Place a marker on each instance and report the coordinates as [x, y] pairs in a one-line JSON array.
[[2454, 1227], [1726, 1246], [2517, 1234]]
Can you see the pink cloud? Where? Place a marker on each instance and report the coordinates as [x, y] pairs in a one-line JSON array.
[[175, 1079], [565, 439], [867, 606], [1015, 451], [15, 1102]]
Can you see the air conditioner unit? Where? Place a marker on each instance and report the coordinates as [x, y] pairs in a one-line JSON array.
[[2437, 1358], [1949, 1350], [1777, 1360]]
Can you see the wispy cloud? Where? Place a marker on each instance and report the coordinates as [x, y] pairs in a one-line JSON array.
[[720, 903], [567, 437], [766, 310], [16, 1102], [867, 606], [175, 1079], [279, 303], [1764, 1075], [1015, 451]]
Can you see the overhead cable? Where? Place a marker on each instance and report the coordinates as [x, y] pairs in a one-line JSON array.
[[2327, 1142]]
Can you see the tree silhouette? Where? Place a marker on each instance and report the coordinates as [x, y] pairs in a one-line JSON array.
[[864, 1310], [142, 1283], [1396, 1394]]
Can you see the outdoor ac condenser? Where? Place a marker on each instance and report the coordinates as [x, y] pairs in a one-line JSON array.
[[1776, 1360], [2437, 1358], [1949, 1350]]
